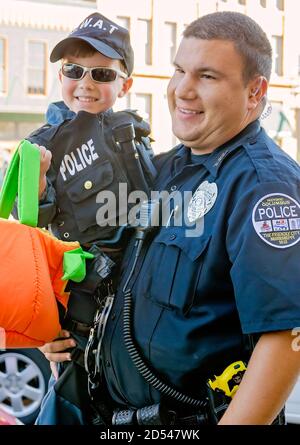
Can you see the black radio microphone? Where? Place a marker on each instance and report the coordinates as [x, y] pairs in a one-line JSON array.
[[124, 136]]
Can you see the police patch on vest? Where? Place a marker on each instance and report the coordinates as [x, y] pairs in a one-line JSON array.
[[276, 220], [202, 200]]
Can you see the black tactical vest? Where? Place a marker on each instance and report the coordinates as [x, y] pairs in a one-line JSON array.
[[87, 160]]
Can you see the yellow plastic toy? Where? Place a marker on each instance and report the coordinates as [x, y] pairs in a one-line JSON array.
[[228, 382]]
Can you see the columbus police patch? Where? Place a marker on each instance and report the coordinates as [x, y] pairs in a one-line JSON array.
[[276, 220]]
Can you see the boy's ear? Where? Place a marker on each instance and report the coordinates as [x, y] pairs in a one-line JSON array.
[[127, 83]]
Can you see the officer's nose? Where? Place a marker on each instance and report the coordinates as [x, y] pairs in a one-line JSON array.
[[185, 88]]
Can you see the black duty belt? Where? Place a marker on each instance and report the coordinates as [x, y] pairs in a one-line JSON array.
[[158, 414], [76, 327]]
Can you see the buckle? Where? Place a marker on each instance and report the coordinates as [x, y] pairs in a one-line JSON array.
[[77, 328]]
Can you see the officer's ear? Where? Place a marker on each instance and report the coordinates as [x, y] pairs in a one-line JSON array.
[[126, 85], [60, 75], [257, 90]]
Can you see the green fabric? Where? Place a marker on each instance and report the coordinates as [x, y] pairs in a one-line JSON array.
[[74, 264], [22, 179]]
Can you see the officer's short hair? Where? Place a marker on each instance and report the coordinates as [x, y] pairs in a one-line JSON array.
[[249, 39], [80, 48]]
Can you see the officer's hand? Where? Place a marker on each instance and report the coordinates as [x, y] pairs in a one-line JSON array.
[[45, 163], [56, 350]]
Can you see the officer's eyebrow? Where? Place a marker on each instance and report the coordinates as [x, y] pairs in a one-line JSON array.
[[201, 70], [206, 69]]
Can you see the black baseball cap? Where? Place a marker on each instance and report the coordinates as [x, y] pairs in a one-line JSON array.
[[105, 36]]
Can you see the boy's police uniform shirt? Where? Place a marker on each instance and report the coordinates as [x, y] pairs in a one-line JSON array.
[[196, 298], [84, 162]]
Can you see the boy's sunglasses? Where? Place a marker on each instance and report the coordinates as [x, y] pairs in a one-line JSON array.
[[99, 74]]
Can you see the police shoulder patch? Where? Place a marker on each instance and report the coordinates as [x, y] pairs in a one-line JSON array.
[[276, 220]]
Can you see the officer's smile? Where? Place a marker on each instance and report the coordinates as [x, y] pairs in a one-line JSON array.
[[187, 114], [188, 111]]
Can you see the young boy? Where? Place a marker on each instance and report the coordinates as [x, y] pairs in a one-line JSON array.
[[80, 157]]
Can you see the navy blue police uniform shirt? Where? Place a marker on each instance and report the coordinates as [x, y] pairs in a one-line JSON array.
[[195, 298]]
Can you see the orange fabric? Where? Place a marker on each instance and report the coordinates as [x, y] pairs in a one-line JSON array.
[[31, 267]]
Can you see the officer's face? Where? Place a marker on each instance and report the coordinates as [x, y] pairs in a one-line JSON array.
[[87, 95], [208, 99]]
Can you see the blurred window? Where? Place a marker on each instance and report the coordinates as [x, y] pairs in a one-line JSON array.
[[277, 46], [171, 41], [143, 104], [144, 33], [36, 73], [3, 66], [124, 22], [280, 5]]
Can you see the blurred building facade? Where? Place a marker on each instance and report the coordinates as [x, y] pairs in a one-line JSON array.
[[29, 29]]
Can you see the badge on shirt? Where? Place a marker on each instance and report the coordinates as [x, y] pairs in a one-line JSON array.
[[276, 220], [202, 200]]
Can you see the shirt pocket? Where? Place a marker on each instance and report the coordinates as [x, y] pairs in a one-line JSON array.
[[176, 269], [82, 191]]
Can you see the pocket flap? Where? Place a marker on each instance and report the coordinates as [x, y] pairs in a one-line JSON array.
[[176, 236], [90, 182]]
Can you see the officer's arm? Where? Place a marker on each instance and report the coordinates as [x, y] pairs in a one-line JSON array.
[[267, 383]]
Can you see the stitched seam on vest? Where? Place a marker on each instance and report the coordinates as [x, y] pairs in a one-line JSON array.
[[31, 339], [37, 284], [60, 294]]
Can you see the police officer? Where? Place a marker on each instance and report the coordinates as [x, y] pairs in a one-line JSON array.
[[196, 299], [218, 282]]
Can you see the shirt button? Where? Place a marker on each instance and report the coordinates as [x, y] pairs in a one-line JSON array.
[[107, 363], [113, 316], [173, 188], [88, 185], [66, 235], [173, 236]]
